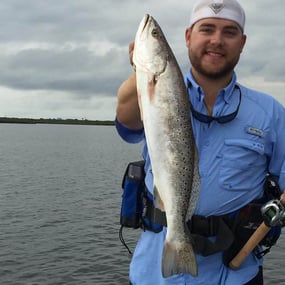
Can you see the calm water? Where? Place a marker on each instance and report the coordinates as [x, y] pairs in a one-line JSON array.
[[59, 207]]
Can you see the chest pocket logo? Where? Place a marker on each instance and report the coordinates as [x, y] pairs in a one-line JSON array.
[[254, 131]]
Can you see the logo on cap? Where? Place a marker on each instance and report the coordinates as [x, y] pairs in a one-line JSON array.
[[217, 7]]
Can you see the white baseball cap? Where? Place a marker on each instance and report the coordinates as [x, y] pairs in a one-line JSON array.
[[223, 9]]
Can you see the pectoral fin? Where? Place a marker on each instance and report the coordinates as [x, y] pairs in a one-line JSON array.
[[152, 80], [140, 104], [158, 203]]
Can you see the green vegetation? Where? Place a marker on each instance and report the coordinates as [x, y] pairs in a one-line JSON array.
[[55, 121]]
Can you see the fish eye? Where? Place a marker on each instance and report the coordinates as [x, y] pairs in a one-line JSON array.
[[154, 33]]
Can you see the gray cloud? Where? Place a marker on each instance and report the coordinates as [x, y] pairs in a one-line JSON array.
[[80, 48], [77, 70]]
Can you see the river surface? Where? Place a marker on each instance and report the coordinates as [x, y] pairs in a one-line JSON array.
[[60, 196]]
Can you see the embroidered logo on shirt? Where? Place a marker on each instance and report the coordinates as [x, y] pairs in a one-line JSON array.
[[255, 131], [217, 7]]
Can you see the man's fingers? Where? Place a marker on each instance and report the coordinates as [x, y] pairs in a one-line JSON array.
[[131, 51]]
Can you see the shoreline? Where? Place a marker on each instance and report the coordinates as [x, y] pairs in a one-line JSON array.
[[6, 120]]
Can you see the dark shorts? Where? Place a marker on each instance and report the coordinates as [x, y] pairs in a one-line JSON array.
[[257, 280]]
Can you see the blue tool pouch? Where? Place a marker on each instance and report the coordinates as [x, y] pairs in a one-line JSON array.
[[132, 198]]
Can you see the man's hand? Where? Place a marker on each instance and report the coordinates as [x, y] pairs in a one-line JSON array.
[[128, 111], [131, 52]]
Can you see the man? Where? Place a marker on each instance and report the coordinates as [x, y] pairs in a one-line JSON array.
[[239, 134]]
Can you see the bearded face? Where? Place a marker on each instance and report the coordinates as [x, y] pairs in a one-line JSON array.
[[214, 47]]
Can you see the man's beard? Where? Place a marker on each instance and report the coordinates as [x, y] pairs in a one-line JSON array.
[[213, 74]]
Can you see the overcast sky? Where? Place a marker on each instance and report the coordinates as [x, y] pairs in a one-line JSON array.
[[67, 58]]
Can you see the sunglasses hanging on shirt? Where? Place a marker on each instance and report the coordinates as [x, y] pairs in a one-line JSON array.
[[221, 119]]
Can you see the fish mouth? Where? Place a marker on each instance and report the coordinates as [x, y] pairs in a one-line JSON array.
[[146, 19]]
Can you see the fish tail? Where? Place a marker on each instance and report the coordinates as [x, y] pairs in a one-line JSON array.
[[178, 258]]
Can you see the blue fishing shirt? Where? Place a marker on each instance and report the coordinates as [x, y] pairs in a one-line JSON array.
[[233, 161]]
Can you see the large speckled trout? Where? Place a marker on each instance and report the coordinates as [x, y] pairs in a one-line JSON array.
[[165, 112]]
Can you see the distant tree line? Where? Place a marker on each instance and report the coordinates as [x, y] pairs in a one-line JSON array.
[[55, 121]]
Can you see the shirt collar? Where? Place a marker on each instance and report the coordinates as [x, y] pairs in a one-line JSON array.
[[199, 93]]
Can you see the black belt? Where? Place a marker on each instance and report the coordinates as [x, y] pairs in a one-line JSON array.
[[201, 228], [200, 225]]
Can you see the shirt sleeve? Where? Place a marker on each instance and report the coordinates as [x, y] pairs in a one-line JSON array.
[[277, 161], [282, 178], [128, 135]]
